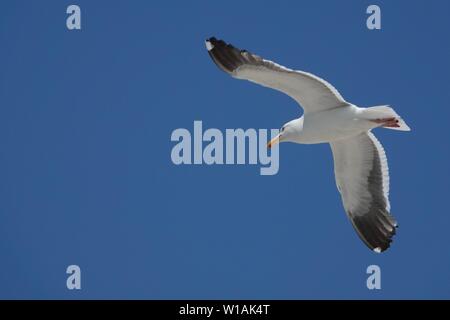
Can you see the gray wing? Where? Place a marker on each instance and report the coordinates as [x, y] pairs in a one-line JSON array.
[[310, 91], [362, 178]]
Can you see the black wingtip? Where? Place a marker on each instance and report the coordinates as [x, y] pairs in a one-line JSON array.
[[377, 232], [211, 43], [226, 56]]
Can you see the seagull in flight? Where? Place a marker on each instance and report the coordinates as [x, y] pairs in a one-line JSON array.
[[360, 165]]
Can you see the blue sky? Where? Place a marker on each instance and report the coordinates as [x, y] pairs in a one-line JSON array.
[[86, 176]]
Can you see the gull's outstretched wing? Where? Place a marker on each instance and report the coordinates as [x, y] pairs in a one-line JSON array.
[[311, 92], [362, 178]]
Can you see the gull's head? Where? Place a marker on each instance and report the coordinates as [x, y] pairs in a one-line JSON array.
[[289, 132]]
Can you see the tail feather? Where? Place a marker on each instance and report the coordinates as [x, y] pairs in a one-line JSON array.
[[380, 112]]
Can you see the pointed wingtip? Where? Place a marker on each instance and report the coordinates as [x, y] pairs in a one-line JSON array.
[[209, 45]]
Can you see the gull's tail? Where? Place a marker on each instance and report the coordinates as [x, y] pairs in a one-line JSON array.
[[386, 117]]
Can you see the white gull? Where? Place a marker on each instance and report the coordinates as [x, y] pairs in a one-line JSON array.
[[360, 165]]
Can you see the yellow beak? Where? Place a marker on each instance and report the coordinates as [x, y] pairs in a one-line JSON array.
[[274, 141]]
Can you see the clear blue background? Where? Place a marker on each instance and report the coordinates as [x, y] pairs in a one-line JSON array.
[[86, 176]]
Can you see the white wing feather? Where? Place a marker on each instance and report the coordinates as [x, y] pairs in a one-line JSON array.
[[311, 92]]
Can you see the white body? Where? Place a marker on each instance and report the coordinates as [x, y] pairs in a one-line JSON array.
[[328, 125]]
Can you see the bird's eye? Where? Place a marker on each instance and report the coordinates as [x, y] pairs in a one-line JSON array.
[[282, 129]]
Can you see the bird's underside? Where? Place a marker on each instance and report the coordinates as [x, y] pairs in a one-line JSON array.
[[361, 169]]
